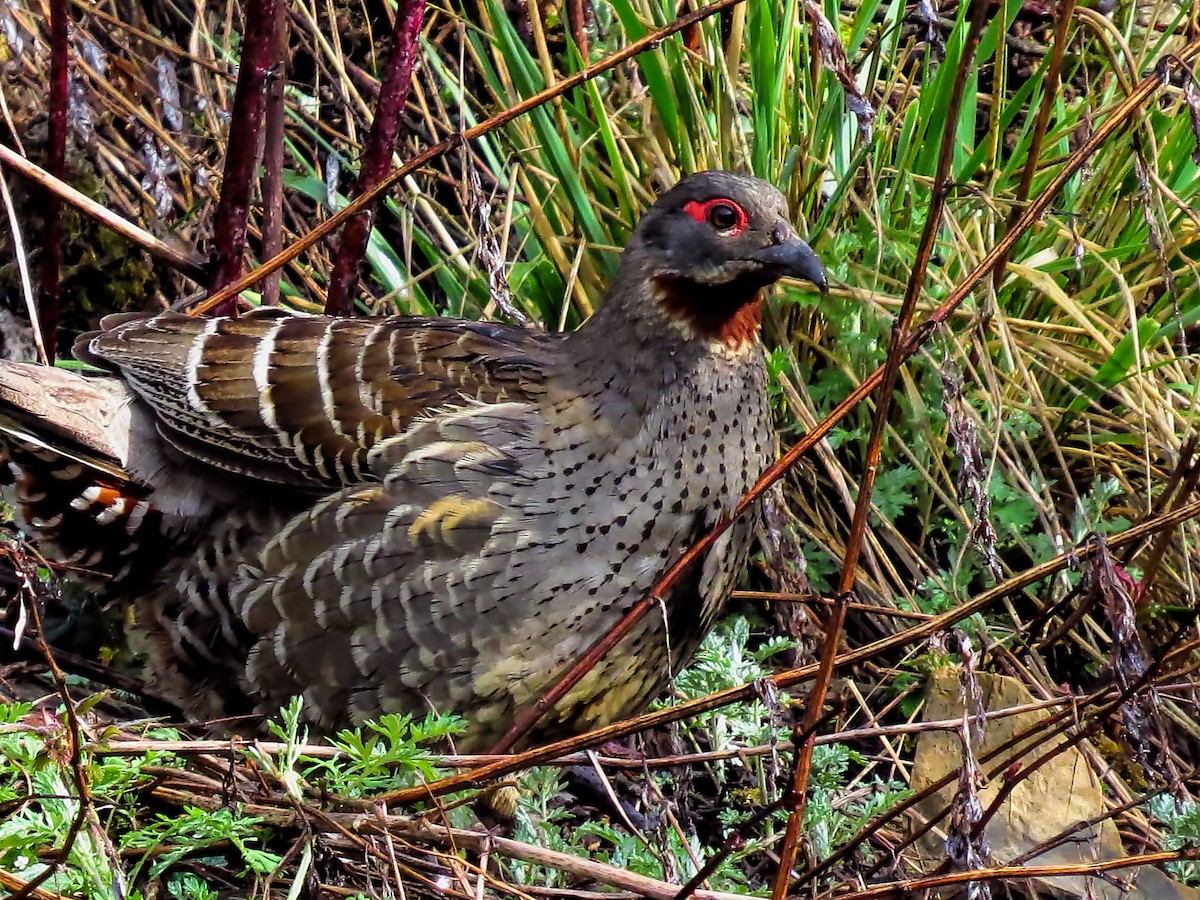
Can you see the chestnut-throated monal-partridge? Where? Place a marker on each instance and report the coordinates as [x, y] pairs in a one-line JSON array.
[[405, 513]]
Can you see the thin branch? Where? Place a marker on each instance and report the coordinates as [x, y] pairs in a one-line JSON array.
[[22, 260], [883, 410], [14, 646], [1049, 98], [1000, 873], [73, 736]]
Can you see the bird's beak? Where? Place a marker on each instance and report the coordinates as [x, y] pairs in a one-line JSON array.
[[795, 258]]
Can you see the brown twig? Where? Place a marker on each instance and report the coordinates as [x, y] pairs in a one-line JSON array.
[[27, 648], [281, 812], [1041, 123], [190, 265], [11, 882], [883, 408], [74, 737], [815, 600], [732, 843], [1071, 833], [999, 873], [380, 823]]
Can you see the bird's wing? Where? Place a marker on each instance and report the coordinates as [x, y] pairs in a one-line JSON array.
[[377, 592], [456, 583], [300, 401]]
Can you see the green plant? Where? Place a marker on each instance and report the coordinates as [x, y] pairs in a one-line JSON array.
[[1181, 821]]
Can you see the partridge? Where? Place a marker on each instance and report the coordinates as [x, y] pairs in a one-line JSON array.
[[403, 514]]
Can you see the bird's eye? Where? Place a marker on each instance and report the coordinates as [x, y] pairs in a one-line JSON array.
[[722, 215]]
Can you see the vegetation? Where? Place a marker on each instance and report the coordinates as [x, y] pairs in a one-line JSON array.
[[1052, 412]]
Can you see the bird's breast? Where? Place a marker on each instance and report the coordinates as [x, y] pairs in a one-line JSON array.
[[611, 508], [612, 505]]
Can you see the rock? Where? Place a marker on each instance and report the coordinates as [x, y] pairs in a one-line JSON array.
[[1047, 803]]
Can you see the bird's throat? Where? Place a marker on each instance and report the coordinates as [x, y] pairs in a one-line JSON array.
[[728, 313]]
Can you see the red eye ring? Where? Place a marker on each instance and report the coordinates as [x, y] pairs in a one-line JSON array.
[[721, 214]]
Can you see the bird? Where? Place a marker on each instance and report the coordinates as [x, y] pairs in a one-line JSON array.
[[410, 514]]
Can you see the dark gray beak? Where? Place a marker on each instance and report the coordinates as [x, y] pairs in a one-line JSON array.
[[796, 259]]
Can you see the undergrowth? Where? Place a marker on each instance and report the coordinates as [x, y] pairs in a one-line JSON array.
[[179, 847]]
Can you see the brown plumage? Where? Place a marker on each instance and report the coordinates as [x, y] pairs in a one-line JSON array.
[[401, 514]]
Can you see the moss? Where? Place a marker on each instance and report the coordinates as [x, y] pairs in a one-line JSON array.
[[101, 272]]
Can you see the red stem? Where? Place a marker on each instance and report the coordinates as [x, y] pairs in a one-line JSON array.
[[56, 165], [377, 154], [260, 55], [272, 175], [578, 14]]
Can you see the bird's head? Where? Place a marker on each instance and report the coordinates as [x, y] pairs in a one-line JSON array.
[[709, 245]]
